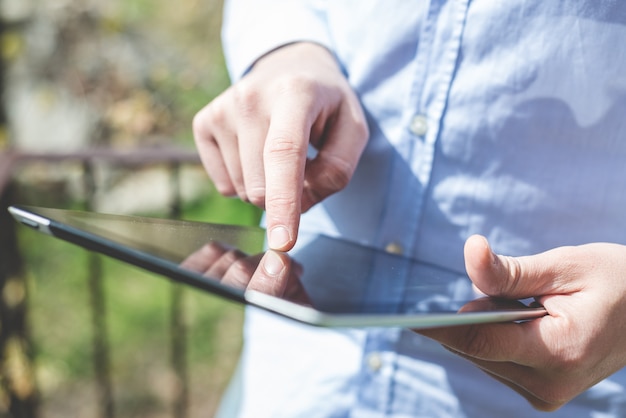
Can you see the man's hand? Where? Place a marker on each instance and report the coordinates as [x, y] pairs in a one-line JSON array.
[[580, 342], [253, 139]]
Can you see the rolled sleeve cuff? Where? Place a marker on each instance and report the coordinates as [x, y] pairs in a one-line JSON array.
[[253, 28]]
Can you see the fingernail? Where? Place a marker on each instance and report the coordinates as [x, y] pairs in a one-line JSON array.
[[279, 238], [272, 263]]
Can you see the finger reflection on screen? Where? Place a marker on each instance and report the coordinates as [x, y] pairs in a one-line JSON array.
[[274, 273]]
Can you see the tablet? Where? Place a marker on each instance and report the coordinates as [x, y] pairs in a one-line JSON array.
[[323, 281]]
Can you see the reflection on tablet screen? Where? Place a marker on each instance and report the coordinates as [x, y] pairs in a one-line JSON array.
[[331, 275]]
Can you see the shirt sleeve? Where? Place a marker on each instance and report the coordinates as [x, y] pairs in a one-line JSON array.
[[252, 28]]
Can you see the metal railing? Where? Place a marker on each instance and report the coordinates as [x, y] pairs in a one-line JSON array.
[[17, 382]]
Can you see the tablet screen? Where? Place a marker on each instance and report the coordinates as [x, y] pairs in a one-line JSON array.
[[328, 274]]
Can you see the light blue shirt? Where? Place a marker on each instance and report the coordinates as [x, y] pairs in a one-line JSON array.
[[505, 118]]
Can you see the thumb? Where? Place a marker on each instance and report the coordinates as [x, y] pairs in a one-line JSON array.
[[510, 277]]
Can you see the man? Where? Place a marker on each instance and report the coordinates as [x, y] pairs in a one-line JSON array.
[[449, 131]]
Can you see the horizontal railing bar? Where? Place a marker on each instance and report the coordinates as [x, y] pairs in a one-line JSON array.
[[132, 157]]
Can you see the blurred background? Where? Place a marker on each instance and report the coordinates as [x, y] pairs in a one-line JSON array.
[[97, 102]]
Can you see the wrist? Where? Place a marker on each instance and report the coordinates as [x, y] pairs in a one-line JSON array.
[[296, 54]]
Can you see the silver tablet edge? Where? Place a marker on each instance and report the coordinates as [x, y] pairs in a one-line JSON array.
[[418, 320], [31, 220]]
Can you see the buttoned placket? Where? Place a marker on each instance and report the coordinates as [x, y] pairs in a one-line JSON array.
[[378, 365], [414, 158], [411, 171]]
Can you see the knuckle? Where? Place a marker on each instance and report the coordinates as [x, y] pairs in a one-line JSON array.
[[232, 256], [474, 342], [208, 121], [286, 203], [516, 274], [546, 405], [552, 397], [199, 124], [246, 98], [211, 248], [337, 173], [300, 83], [242, 269], [328, 175], [501, 288], [216, 114], [283, 146], [243, 196], [256, 196], [361, 131], [225, 189]]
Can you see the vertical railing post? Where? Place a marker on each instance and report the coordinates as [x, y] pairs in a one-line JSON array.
[[101, 357], [17, 378], [178, 331], [18, 391]]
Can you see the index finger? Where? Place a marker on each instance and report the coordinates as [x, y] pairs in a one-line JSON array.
[[284, 159], [272, 274]]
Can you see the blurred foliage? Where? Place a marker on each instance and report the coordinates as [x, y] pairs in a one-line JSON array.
[[138, 70], [138, 306]]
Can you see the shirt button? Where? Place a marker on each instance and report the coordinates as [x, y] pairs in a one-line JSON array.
[[419, 125], [374, 362], [394, 248]]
